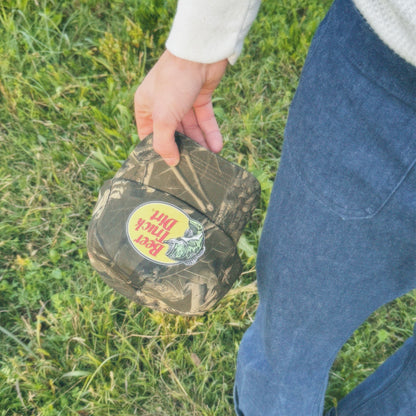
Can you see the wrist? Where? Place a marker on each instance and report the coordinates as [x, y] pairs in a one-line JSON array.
[[208, 71]]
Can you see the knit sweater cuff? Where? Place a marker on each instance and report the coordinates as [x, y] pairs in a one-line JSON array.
[[208, 31]]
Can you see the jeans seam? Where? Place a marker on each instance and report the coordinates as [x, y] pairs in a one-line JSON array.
[[350, 214], [403, 97], [332, 206], [373, 79]]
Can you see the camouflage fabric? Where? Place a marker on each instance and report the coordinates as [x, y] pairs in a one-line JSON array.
[[166, 237]]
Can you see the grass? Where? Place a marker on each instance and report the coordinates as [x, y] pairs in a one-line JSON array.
[[68, 344]]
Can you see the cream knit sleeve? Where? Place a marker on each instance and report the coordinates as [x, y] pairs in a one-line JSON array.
[[208, 31], [395, 23]]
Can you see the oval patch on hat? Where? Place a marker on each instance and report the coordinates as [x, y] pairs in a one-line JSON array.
[[164, 234]]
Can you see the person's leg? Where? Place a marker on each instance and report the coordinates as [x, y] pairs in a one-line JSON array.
[[339, 237], [390, 390], [312, 297]]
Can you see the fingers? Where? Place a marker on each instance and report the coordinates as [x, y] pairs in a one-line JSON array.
[[176, 95], [164, 141], [144, 127], [199, 123], [142, 114], [151, 119], [207, 122], [192, 128]]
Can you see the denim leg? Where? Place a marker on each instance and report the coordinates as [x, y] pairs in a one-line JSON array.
[[390, 390], [339, 237], [319, 278]]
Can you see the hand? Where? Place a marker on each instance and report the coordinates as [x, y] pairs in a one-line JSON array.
[[176, 95]]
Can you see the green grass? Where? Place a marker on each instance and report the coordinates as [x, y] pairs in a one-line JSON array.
[[68, 344]]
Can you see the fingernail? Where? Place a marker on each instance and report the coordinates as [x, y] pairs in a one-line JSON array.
[[171, 161]]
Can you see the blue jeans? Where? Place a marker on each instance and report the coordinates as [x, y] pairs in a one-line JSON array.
[[339, 239]]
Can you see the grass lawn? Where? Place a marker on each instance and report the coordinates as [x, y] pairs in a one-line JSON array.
[[69, 345]]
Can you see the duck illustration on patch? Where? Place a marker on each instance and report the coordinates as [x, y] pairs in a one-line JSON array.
[[189, 248]]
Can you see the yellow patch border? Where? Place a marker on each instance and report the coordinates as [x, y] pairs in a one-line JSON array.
[[151, 224]]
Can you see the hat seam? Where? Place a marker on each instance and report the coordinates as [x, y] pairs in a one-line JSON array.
[[173, 196]]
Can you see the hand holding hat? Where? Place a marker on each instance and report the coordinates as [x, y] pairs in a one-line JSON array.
[[166, 237], [176, 95]]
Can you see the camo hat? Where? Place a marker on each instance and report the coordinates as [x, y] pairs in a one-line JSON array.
[[166, 237]]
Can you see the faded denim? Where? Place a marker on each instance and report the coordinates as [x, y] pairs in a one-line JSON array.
[[339, 239]]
